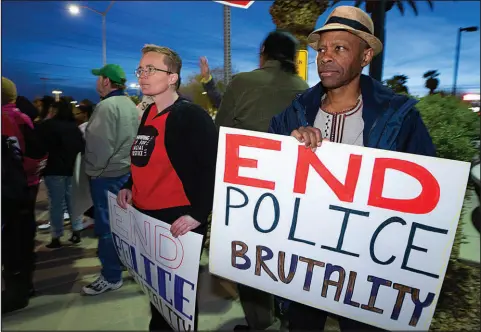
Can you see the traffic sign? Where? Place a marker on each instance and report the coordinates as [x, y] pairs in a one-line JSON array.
[[237, 3], [301, 60]]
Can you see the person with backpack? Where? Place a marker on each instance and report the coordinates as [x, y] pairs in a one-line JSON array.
[[23, 158]]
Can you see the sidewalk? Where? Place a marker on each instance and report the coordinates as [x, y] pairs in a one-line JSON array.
[[62, 273]]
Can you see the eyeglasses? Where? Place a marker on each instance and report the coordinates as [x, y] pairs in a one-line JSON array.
[[149, 71]]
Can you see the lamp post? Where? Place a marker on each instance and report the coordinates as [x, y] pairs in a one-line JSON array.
[[75, 10], [456, 59], [57, 94]]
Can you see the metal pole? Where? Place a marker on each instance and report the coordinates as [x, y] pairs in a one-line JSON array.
[[456, 61], [227, 51], [379, 18], [104, 39]]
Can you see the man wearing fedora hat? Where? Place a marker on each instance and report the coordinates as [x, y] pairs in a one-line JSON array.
[[350, 108]]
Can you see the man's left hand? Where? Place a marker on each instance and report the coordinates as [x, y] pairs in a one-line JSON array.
[[183, 225]]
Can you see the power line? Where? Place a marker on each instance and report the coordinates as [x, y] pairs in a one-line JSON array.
[[45, 63]]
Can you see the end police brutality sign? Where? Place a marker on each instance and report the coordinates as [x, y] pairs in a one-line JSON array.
[[165, 267], [359, 232]]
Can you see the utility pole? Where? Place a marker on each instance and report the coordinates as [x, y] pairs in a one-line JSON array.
[[227, 49], [104, 39]]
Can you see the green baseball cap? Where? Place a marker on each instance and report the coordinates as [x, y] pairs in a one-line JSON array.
[[114, 72]]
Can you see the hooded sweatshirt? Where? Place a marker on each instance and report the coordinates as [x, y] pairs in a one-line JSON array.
[[18, 125]]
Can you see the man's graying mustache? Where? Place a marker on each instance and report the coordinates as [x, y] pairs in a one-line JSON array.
[[328, 67]]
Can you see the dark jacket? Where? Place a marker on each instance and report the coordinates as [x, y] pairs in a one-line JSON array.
[[173, 163], [391, 122], [63, 141], [213, 92], [253, 98]]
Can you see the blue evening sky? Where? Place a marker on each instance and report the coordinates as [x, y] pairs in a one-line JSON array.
[[41, 39]]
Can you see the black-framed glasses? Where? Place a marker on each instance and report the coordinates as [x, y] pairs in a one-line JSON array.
[[149, 71]]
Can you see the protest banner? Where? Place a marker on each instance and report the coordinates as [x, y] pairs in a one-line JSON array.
[[165, 267], [362, 233]]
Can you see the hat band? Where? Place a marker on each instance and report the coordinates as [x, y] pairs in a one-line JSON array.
[[350, 23]]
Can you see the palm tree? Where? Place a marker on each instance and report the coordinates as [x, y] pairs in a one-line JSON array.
[[378, 9], [398, 83], [299, 17], [432, 81]]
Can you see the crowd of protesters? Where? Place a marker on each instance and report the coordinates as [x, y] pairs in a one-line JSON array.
[[172, 179]]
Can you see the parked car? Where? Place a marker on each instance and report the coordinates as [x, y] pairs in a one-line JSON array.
[[474, 101]]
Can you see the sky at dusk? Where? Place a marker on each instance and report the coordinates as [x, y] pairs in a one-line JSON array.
[[41, 39]]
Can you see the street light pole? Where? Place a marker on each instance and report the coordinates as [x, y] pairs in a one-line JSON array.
[[104, 40], [74, 10], [57, 94], [456, 57]]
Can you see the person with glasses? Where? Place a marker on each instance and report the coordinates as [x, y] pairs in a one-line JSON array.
[[173, 157], [109, 135]]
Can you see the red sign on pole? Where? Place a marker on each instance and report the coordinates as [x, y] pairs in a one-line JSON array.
[[237, 3]]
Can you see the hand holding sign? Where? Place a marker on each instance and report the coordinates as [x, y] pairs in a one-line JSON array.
[[166, 268], [183, 225], [362, 233], [310, 136], [124, 198]]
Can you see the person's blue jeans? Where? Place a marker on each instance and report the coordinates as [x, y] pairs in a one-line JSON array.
[[59, 193], [111, 268]]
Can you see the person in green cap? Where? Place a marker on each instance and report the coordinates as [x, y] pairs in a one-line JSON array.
[[109, 136]]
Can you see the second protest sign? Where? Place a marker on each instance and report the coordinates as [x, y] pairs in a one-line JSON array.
[[165, 267], [362, 233]]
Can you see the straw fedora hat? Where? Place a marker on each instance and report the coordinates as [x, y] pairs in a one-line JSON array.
[[353, 20]]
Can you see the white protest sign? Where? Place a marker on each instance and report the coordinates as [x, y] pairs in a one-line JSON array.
[[362, 233], [81, 198], [166, 268]]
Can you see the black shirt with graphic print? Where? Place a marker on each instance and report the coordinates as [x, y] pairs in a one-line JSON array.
[[173, 163]]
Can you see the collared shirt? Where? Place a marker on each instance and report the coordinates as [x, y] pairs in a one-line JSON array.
[[117, 92], [345, 127]]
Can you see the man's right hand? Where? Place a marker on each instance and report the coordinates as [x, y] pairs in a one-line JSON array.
[[204, 68], [310, 136], [124, 198]]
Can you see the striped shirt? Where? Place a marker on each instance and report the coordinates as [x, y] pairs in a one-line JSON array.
[[345, 127]]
